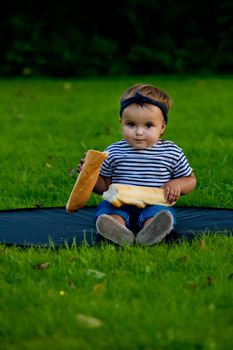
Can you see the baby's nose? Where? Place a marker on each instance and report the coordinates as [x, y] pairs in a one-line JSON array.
[[139, 131]]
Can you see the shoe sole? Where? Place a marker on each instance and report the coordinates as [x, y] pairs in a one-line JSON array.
[[114, 231], [160, 226]]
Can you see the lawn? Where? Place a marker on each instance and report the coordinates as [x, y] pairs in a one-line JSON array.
[[176, 296], [47, 125]]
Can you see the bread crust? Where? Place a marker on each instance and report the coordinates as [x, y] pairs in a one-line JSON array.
[[86, 180], [139, 196]]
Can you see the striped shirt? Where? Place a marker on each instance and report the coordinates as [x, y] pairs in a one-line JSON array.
[[151, 167]]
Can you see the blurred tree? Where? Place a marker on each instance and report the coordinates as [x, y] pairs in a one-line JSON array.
[[130, 36]]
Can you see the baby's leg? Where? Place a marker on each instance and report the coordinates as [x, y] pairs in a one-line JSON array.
[[118, 218], [112, 223], [111, 228], [156, 227]]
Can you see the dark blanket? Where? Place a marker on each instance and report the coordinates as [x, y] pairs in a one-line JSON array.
[[40, 227]]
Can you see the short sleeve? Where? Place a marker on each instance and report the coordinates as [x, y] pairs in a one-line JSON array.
[[181, 167], [106, 169]]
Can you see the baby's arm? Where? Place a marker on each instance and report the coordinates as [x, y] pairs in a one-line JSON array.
[[102, 183], [176, 187]]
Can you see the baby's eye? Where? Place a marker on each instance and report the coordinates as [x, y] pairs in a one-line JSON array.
[[130, 124], [149, 125]]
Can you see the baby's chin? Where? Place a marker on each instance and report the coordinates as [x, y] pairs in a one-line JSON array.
[[140, 144]]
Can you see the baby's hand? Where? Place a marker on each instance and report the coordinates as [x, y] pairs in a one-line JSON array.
[[80, 165], [172, 191]]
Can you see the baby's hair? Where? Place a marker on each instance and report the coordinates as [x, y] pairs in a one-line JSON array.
[[149, 91]]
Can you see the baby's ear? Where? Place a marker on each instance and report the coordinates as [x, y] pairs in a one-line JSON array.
[[164, 125]]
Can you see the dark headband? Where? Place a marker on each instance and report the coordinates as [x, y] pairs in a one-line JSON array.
[[141, 100]]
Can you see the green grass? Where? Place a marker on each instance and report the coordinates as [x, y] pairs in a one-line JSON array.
[[163, 297], [46, 125], [176, 296]]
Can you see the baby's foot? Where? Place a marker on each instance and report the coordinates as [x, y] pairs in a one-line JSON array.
[[114, 231], [160, 226]]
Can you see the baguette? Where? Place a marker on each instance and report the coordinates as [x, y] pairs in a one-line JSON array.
[[139, 196], [86, 181]]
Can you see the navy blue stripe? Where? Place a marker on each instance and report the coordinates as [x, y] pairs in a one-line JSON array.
[[153, 166]]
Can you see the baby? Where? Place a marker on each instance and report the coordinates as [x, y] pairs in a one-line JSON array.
[[142, 158]]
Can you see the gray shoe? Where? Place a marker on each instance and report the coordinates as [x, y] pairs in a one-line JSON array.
[[114, 231], [160, 226]]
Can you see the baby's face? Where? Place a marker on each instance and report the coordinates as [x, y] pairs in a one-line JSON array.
[[142, 126]]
